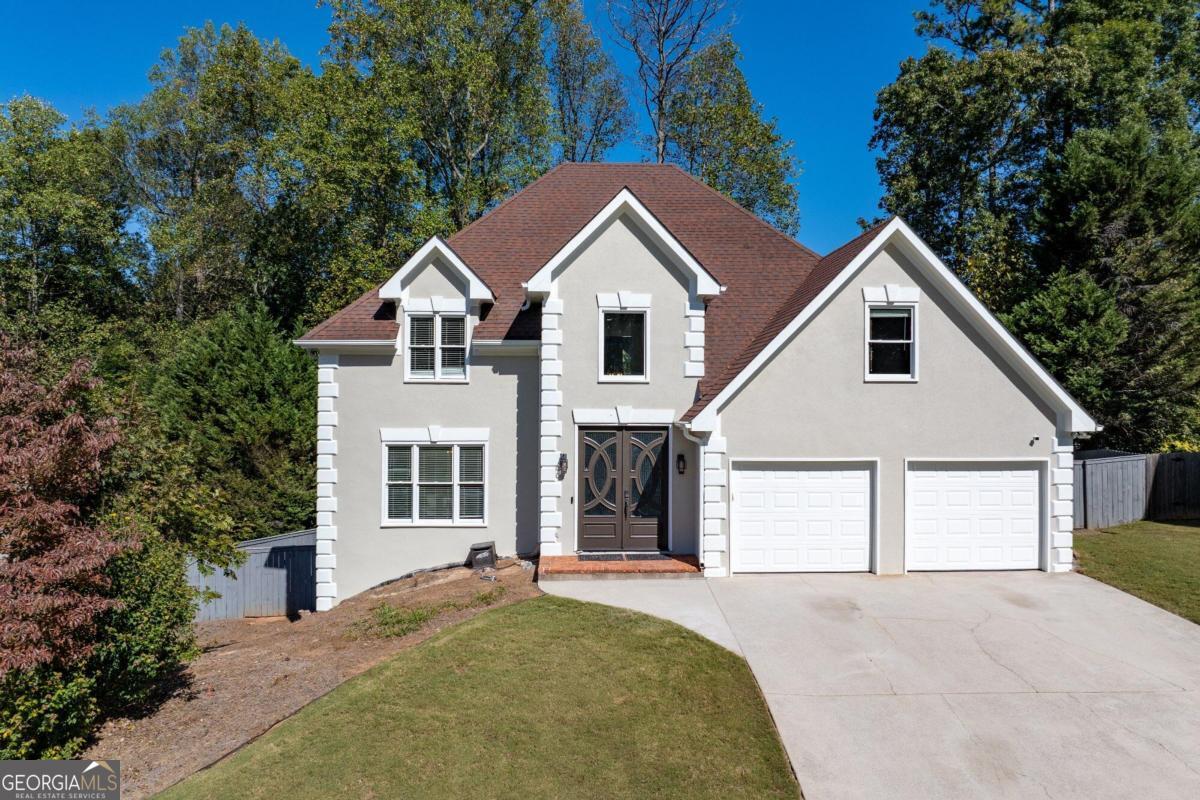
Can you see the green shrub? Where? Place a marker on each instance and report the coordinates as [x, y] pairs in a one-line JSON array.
[[45, 714], [145, 642]]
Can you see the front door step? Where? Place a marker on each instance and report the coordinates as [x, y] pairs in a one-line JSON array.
[[618, 565]]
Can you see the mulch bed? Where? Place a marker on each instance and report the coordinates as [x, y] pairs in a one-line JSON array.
[[253, 673]]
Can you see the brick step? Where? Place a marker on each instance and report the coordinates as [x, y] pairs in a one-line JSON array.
[[617, 566]]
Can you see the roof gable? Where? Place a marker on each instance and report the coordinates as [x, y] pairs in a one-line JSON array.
[[832, 273], [758, 265], [396, 287], [701, 283]]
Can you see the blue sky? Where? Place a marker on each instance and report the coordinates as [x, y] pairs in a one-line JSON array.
[[816, 66]]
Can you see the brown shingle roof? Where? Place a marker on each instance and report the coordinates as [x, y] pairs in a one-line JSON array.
[[825, 271], [769, 276]]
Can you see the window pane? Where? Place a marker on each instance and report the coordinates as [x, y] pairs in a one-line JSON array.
[[454, 331], [399, 464], [436, 501], [420, 362], [470, 502], [420, 331], [399, 505], [891, 324], [470, 464], [624, 344], [891, 359], [454, 362], [435, 465]]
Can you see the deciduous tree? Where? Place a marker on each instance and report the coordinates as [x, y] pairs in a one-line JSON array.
[[663, 35], [52, 452], [591, 114], [717, 131], [468, 78]]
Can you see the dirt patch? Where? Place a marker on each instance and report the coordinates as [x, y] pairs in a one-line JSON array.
[[253, 673]]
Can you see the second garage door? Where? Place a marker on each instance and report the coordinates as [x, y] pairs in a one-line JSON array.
[[795, 517], [972, 516]]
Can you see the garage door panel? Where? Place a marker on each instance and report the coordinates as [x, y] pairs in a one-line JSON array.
[[964, 518], [794, 519]]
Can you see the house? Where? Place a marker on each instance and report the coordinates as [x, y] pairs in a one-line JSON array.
[[618, 358]]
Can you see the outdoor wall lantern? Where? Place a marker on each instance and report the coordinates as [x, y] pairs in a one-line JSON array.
[[680, 464], [562, 466]]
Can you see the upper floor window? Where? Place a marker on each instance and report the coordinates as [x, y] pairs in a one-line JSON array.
[[891, 343], [623, 342], [437, 347]]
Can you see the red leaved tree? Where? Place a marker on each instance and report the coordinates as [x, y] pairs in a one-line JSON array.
[[52, 560]]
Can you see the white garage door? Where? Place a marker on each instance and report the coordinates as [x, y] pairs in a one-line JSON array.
[[800, 518], [965, 517]]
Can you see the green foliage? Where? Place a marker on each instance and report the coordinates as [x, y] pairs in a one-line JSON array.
[[197, 150], [1074, 327], [237, 397], [146, 639], [45, 714], [591, 114], [1032, 140], [466, 79], [389, 622], [62, 216], [716, 131]]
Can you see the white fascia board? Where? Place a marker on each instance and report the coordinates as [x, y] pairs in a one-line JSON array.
[[703, 283], [334, 345], [1071, 416], [477, 290]]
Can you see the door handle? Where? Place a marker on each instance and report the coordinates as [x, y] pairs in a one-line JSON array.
[[627, 502]]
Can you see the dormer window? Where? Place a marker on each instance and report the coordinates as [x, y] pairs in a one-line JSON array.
[[437, 347]]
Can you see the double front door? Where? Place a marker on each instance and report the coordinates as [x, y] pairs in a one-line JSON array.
[[623, 489]]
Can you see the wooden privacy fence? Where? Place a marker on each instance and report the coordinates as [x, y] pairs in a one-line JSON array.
[[1109, 490], [1113, 488], [279, 577], [1173, 481]]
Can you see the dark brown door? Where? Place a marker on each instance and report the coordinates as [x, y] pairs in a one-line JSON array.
[[623, 489]]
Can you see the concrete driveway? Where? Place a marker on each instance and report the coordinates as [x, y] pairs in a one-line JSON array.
[[955, 685]]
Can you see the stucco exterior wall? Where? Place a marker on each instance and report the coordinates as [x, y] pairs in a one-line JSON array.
[[622, 259], [435, 280], [811, 401], [502, 396]]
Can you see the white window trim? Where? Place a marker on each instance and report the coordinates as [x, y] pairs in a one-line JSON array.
[[437, 347], [402, 440], [621, 309], [914, 374]]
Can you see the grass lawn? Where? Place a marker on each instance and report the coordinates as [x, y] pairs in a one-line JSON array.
[[1156, 561], [546, 698]]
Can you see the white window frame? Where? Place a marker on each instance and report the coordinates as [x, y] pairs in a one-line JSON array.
[[437, 347], [616, 308], [914, 349], [416, 521]]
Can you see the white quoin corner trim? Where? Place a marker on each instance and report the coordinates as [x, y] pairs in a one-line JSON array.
[[435, 248], [700, 282], [1071, 416], [327, 448]]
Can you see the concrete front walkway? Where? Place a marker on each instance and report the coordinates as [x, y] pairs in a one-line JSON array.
[[955, 685]]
